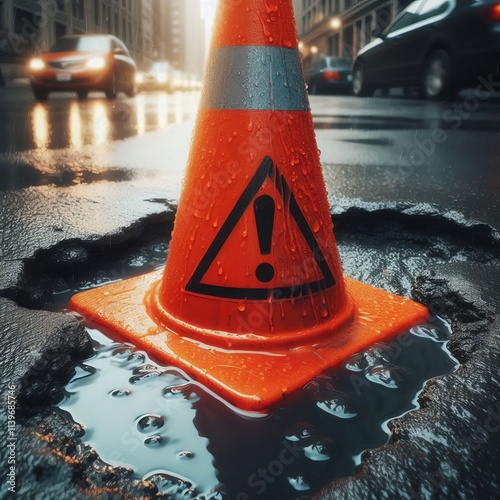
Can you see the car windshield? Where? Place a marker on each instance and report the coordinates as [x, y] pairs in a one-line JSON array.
[[335, 62], [405, 18], [82, 44]]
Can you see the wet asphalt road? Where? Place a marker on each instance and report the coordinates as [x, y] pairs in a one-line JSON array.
[[463, 131], [408, 154], [65, 122]]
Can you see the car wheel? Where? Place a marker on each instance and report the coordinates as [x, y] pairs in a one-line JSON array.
[[82, 94], [437, 78], [112, 90], [41, 95], [360, 87]]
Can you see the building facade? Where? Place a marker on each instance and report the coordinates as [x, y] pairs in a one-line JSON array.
[[183, 35], [147, 35], [341, 27], [40, 22]]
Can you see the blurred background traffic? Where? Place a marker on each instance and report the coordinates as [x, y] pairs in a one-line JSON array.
[[430, 48], [165, 39]]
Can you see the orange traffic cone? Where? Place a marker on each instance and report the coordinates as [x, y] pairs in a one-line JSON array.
[[252, 301]]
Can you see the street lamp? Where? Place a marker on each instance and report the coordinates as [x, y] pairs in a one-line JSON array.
[[301, 45], [314, 49], [336, 23]]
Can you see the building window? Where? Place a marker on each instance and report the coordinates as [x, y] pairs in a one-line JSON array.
[[97, 12], [368, 29], [334, 45], [78, 9], [60, 30], [347, 45], [60, 5], [359, 35], [383, 18], [26, 25]]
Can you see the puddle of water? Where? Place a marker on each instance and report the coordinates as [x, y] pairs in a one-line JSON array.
[[157, 421]]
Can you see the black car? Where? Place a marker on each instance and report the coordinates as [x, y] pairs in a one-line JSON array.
[[330, 74], [441, 46]]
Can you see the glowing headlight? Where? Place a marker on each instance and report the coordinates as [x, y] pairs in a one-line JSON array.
[[161, 78], [36, 64], [96, 63], [139, 78]]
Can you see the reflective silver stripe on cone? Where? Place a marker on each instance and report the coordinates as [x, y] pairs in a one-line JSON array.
[[255, 78]]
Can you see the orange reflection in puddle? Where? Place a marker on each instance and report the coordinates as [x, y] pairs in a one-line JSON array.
[[102, 127], [75, 126], [162, 110], [141, 115], [41, 126]]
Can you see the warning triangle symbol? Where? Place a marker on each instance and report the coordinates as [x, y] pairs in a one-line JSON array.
[[264, 211]]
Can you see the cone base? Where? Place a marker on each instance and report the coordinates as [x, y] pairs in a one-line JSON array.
[[252, 381]]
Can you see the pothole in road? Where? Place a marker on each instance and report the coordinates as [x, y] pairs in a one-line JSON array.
[[385, 248], [121, 396]]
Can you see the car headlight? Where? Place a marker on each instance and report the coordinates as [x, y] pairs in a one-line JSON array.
[[96, 63], [139, 78], [36, 64]]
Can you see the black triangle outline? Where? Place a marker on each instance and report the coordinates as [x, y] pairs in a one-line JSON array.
[[265, 170]]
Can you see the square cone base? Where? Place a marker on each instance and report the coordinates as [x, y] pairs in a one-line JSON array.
[[250, 380]]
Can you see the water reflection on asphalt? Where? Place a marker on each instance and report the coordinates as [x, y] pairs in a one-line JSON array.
[[65, 122], [169, 430]]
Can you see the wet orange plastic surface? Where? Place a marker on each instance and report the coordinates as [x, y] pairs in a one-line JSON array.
[[228, 149], [253, 380], [255, 22]]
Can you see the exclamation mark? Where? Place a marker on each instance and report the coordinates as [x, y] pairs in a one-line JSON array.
[[264, 208]]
